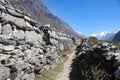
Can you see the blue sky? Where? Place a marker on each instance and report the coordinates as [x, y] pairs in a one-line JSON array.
[[87, 16]]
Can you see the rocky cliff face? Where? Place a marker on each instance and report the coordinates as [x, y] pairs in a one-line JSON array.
[[27, 49], [40, 13], [96, 62]]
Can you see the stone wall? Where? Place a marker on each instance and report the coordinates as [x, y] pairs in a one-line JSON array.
[[96, 62], [25, 48], [55, 37]]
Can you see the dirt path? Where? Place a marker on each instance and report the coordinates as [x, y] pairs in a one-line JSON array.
[[64, 75]]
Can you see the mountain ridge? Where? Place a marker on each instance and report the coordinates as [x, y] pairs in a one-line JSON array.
[[41, 13], [105, 35], [117, 37]]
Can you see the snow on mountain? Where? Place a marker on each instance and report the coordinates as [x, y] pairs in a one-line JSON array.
[[100, 35], [105, 35]]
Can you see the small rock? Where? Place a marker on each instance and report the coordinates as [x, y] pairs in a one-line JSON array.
[[1, 48], [16, 51], [35, 51], [18, 77], [117, 74], [17, 55], [28, 24], [0, 28], [9, 48], [7, 29], [4, 72], [18, 34], [3, 1], [61, 47], [31, 21], [8, 62], [28, 54], [32, 36], [7, 41], [33, 59], [14, 13], [4, 56], [23, 47], [30, 76], [20, 65]]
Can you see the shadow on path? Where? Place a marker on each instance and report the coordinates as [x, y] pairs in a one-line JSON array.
[[75, 73]]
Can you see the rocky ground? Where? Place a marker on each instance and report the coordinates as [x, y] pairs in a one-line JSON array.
[[27, 49]]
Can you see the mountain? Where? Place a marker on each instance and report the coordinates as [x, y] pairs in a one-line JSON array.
[[117, 36], [105, 35], [41, 14], [108, 36]]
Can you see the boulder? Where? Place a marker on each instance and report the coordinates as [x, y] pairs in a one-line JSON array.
[[19, 22]]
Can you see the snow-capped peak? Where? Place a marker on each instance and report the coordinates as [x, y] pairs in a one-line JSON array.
[[101, 34], [104, 35]]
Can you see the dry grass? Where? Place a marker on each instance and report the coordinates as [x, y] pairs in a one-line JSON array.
[[94, 40]]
